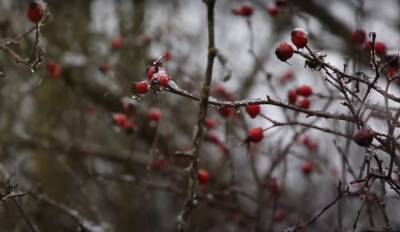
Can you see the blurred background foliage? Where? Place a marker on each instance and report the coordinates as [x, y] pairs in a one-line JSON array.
[[57, 136]]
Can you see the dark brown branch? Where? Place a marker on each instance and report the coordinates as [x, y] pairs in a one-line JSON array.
[[191, 200], [267, 101]]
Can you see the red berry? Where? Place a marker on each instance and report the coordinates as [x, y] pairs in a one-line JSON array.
[[311, 145], [91, 111], [117, 42], [358, 36], [120, 119], [253, 110], [154, 115], [104, 68], [147, 39], [157, 164], [210, 123], [213, 138], [292, 96], [393, 72], [244, 11], [35, 11], [202, 176], [380, 48], [220, 92], [299, 38], [54, 70], [279, 215], [226, 112], [163, 80], [140, 87], [167, 56], [150, 72], [128, 126], [287, 77], [272, 10], [364, 137], [308, 168], [255, 135], [305, 91], [284, 51], [304, 103], [273, 187]]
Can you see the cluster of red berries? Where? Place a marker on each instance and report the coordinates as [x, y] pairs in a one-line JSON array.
[[35, 11], [153, 115], [156, 75], [246, 10], [305, 91], [359, 37], [284, 50], [123, 121]]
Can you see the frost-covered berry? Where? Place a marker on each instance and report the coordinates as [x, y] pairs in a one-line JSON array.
[[140, 87], [299, 38]]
